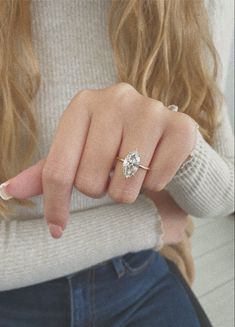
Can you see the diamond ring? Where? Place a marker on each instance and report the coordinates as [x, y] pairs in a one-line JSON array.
[[131, 163]]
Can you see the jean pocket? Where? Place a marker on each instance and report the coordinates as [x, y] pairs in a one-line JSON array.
[[137, 262]]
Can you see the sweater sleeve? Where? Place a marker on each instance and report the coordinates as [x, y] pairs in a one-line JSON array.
[[204, 185], [29, 255]]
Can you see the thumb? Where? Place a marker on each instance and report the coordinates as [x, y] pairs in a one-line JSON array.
[[26, 184]]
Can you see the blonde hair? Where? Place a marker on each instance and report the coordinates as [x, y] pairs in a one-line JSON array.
[[163, 48]]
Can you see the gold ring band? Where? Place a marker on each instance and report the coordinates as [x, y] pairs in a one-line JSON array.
[[141, 166]]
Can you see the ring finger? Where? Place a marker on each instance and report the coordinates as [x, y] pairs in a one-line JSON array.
[[123, 189]]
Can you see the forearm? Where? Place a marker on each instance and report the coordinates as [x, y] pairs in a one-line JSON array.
[[29, 255]]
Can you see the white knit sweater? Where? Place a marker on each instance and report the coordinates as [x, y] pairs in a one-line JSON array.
[[71, 42]]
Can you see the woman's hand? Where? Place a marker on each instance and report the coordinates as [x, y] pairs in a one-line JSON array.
[[97, 126], [174, 218]]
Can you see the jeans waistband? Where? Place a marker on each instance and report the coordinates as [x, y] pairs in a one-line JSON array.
[[116, 263]]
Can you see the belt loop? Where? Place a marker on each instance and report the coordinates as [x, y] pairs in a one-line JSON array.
[[118, 266]]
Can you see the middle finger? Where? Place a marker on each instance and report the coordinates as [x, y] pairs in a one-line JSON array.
[[101, 146]]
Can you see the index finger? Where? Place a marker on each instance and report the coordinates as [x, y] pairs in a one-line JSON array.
[[61, 165]]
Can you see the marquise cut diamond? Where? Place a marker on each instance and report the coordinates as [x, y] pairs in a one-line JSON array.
[[131, 164]]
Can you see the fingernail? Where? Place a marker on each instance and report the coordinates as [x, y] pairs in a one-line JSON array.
[[55, 230], [3, 193]]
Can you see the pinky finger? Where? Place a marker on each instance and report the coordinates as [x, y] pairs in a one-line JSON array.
[[169, 156]]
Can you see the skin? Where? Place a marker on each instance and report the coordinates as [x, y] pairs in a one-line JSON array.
[[174, 219], [97, 126]]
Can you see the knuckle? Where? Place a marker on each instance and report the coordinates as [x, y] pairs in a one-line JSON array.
[[84, 94], [124, 93], [159, 187], [155, 106], [155, 187], [153, 113], [185, 124], [154, 183], [80, 103], [86, 185], [124, 87], [123, 195], [52, 174], [83, 97]]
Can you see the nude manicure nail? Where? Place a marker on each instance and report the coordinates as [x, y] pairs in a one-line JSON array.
[[3, 193], [55, 230]]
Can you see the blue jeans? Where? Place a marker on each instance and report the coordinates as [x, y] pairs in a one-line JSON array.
[[133, 290]]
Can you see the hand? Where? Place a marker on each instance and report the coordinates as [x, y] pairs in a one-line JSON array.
[[174, 218], [97, 126]]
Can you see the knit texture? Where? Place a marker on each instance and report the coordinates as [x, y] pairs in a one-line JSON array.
[[30, 255], [71, 42], [204, 186]]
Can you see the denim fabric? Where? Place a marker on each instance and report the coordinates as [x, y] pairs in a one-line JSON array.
[[134, 290], [201, 314]]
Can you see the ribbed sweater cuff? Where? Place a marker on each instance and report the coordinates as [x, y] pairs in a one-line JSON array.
[[197, 187]]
